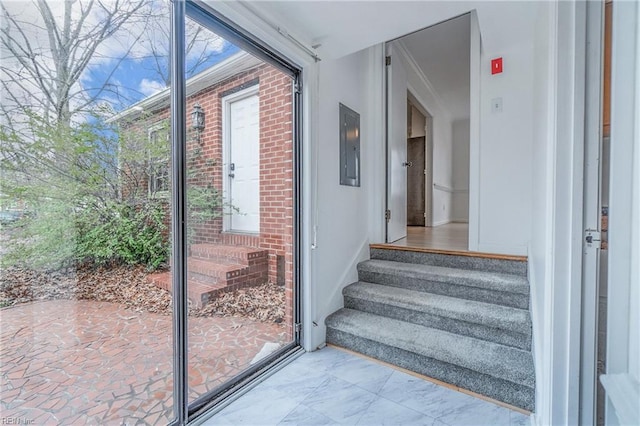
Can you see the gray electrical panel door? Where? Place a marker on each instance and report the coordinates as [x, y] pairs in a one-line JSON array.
[[349, 146]]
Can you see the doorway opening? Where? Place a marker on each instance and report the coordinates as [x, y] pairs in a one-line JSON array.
[[428, 136], [418, 203]]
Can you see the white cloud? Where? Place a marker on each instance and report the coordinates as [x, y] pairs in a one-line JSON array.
[[144, 38], [149, 87]]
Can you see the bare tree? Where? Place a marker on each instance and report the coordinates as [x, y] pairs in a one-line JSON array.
[[47, 47], [201, 47]]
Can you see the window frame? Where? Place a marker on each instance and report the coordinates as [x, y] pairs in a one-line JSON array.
[[152, 160], [206, 16]]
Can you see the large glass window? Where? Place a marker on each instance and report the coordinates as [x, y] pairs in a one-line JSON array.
[[240, 212], [94, 264], [86, 333]]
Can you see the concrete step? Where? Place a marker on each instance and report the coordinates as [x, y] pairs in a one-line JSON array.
[[514, 265], [490, 287], [500, 324], [497, 371], [242, 255]]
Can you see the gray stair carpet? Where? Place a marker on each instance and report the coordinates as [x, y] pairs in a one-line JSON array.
[[502, 324], [461, 319], [498, 371], [514, 267], [491, 287]]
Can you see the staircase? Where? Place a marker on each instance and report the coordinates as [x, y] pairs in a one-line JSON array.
[[213, 268], [458, 318]]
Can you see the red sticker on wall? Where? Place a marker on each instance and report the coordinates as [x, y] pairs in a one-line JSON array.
[[496, 66]]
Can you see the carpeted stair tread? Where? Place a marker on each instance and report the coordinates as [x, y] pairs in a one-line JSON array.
[[418, 302], [488, 358], [469, 278], [453, 260]]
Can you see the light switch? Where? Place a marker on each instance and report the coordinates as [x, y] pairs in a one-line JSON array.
[[496, 105]]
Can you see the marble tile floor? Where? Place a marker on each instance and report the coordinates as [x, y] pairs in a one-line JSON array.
[[334, 387]]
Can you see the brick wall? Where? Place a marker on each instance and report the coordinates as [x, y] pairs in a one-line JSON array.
[[276, 167], [276, 162]]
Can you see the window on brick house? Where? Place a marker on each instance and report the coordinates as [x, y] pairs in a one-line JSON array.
[[159, 183]]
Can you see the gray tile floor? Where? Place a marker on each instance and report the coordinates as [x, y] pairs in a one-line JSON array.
[[333, 387]]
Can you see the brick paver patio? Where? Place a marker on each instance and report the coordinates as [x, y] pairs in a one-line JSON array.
[[82, 362]]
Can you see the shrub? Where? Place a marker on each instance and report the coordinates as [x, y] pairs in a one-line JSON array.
[[121, 233], [112, 233]]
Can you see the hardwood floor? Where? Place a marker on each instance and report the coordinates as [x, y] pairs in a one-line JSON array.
[[452, 236]]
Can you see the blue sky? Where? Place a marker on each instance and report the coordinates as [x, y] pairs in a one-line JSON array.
[[135, 79]]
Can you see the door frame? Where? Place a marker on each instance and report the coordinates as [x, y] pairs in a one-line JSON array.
[[226, 151], [428, 145], [594, 38], [475, 75]]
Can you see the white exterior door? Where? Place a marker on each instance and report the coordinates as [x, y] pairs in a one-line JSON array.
[[241, 163], [396, 148]]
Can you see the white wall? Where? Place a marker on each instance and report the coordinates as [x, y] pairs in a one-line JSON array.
[[420, 88], [342, 211], [505, 149], [460, 166]]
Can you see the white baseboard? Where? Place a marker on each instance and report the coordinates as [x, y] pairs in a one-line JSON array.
[[441, 222]]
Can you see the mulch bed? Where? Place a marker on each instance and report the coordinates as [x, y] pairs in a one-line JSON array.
[[128, 286]]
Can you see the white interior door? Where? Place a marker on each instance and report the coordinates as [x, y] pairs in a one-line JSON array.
[[396, 148], [243, 164]]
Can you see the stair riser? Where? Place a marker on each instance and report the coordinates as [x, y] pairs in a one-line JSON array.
[[452, 325], [499, 389], [451, 261], [248, 276], [516, 300], [198, 300]]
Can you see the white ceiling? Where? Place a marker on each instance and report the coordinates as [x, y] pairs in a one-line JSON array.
[[442, 52], [344, 27]]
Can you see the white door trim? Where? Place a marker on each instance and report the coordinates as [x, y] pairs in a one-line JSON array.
[[475, 74], [226, 148]]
